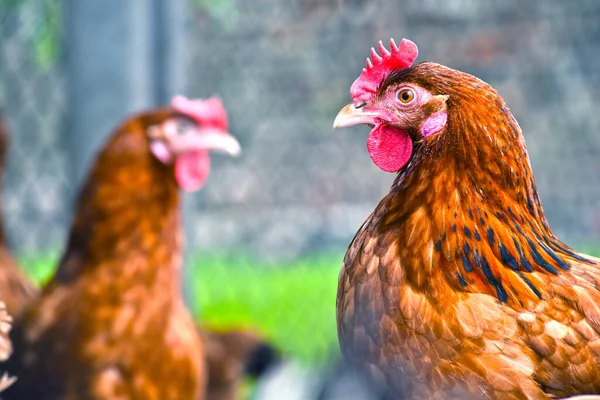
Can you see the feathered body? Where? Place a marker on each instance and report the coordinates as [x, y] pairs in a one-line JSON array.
[[455, 286], [111, 324], [16, 290]]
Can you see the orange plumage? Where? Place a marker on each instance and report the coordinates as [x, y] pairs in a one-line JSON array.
[[111, 324], [455, 286]]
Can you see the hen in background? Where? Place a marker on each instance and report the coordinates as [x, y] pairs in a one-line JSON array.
[[233, 355], [16, 290], [455, 286], [111, 323]]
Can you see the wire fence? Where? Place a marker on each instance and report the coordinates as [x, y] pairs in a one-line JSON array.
[[283, 70], [35, 107]]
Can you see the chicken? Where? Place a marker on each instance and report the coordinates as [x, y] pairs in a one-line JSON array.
[[111, 323], [455, 286], [231, 356], [16, 291]]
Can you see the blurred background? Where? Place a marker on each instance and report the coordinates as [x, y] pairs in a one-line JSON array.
[[266, 236]]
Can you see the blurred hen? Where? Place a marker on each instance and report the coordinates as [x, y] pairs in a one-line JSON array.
[[233, 355], [111, 324], [455, 286]]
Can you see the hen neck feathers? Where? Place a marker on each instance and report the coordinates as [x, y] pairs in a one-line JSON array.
[[465, 209], [127, 222]]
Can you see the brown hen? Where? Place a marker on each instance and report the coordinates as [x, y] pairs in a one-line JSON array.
[[16, 290], [111, 324], [455, 286]]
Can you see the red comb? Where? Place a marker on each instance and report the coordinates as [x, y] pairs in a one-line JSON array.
[[208, 113], [401, 57]]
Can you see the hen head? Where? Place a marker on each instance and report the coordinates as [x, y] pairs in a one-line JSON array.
[[186, 139], [400, 112], [408, 105]]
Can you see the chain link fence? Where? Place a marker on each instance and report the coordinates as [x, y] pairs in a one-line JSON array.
[[34, 103], [283, 70]]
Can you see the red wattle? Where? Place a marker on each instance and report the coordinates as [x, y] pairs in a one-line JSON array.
[[389, 148], [191, 170]]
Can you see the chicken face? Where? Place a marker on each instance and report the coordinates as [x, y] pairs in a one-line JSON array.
[[400, 113], [186, 140]]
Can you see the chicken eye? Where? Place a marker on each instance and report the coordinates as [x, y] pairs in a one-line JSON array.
[[406, 95]]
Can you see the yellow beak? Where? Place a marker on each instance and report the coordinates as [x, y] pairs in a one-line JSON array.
[[351, 115]]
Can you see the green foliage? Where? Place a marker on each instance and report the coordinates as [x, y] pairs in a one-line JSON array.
[[47, 38], [216, 8], [45, 35], [223, 11]]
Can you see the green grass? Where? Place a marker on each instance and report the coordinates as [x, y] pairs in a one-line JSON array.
[[293, 303], [40, 267]]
